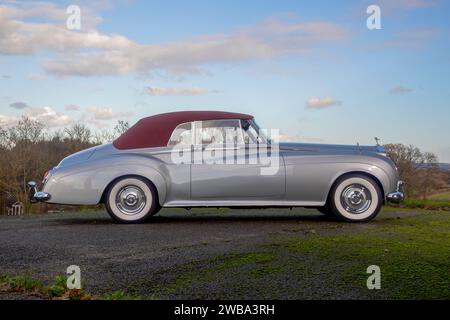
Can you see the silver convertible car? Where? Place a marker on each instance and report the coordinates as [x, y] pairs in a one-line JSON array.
[[220, 159]]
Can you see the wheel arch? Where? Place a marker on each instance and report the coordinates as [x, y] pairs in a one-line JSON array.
[[364, 173], [146, 179]]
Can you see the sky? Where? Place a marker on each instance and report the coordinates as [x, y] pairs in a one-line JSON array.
[[312, 69]]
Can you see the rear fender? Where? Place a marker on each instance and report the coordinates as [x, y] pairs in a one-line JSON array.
[[85, 183]]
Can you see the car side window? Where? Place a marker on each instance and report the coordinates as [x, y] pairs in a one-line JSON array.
[[181, 135], [214, 132]]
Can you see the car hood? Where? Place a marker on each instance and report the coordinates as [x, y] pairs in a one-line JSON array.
[[294, 146]]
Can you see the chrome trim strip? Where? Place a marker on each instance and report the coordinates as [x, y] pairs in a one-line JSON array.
[[243, 203]]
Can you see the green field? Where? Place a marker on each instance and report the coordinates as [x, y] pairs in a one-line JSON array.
[[445, 196], [412, 252], [440, 201]]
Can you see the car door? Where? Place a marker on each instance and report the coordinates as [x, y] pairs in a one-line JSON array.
[[225, 168], [176, 159]]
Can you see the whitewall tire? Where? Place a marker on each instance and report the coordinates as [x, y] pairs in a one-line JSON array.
[[356, 198], [131, 200]]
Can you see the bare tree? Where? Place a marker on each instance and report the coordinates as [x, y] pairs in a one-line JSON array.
[[28, 150], [26, 131], [415, 167], [104, 136], [79, 132], [20, 158], [121, 127]]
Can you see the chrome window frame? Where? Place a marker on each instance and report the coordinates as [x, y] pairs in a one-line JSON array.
[[260, 134], [197, 142], [173, 131]]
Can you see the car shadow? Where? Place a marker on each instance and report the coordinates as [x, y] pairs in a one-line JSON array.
[[168, 218], [236, 217]]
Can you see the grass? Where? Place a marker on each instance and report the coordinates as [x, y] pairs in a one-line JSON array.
[[119, 295], [431, 204], [22, 282], [238, 260], [414, 256], [440, 201], [188, 275], [25, 283]]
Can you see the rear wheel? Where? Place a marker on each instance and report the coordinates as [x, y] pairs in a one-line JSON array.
[[356, 198], [131, 200]]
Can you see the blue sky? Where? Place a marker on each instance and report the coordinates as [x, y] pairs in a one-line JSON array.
[[312, 69]]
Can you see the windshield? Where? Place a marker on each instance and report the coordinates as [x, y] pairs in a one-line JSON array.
[[252, 132]]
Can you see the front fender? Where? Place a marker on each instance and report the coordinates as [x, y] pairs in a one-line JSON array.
[[310, 179], [84, 183]]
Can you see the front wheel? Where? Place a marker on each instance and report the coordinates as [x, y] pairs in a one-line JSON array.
[[131, 200], [356, 198]]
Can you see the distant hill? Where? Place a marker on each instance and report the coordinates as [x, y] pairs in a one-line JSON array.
[[442, 166]]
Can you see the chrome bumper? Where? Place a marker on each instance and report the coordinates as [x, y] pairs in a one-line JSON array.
[[35, 195], [398, 195]]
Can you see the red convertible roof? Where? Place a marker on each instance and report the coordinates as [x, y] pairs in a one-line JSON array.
[[155, 131]]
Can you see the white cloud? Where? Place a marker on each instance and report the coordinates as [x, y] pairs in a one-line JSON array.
[[45, 115], [158, 91], [49, 117], [89, 52], [98, 113], [8, 120], [320, 103], [17, 36], [262, 42], [400, 90]]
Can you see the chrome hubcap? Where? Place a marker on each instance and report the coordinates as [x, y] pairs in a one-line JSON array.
[[356, 198], [130, 200]]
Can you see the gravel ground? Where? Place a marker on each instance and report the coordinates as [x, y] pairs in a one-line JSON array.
[[145, 258], [18, 296]]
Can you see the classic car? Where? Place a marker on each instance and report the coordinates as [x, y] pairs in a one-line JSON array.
[[220, 159]]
